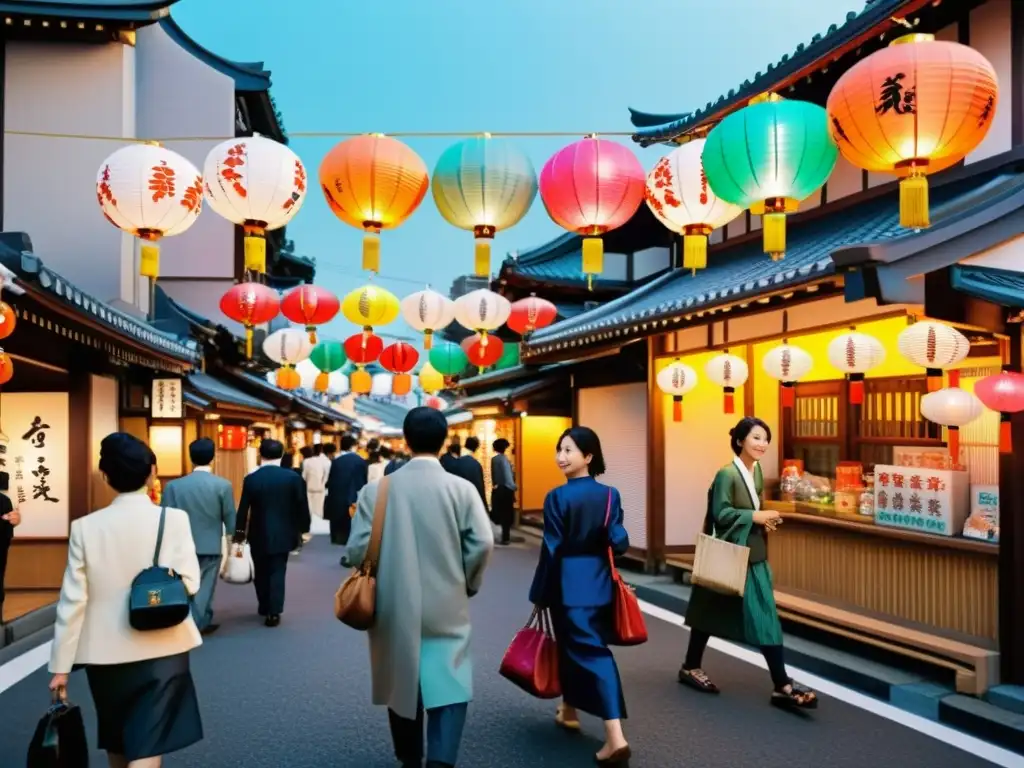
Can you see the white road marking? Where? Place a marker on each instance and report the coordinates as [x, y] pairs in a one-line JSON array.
[[20, 667]]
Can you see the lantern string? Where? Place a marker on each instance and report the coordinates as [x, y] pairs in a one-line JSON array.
[[324, 135]]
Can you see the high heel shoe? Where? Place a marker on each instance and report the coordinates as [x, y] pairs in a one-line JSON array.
[[617, 759]]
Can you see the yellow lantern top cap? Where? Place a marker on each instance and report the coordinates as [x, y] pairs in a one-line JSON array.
[[915, 37]]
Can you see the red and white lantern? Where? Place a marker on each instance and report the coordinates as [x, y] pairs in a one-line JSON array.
[[855, 354], [729, 372], [787, 363], [933, 346], [676, 379]]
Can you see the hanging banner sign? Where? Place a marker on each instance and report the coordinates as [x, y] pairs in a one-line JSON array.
[[166, 400]]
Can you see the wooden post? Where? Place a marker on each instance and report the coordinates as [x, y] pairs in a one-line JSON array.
[[1011, 541], [655, 464]]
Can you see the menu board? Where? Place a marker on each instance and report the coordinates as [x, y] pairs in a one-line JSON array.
[[926, 500]]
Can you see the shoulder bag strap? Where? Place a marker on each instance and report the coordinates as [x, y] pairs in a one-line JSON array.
[[380, 508], [159, 536], [709, 517], [607, 520]]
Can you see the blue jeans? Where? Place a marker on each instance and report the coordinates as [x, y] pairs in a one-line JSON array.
[[444, 734]]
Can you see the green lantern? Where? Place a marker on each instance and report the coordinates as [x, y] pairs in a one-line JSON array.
[[327, 356], [509, 357], [448, 359], [768, 157]]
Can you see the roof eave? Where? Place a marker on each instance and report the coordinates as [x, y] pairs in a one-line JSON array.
[[138, 12], [246, 78]]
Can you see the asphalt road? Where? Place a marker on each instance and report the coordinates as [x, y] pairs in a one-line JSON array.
[[298, 695]]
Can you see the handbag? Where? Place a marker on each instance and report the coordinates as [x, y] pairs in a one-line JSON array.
[[355, 602], [531, 659], [719, 565], [629, 627], [237, 567], [59, 739], [158, 598]]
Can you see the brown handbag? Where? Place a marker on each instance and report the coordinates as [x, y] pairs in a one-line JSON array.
[[355, 602]]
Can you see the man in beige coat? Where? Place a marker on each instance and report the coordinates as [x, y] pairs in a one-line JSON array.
[[436, 543]]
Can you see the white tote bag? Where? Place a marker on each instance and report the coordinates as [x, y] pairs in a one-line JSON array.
[[237, 567]]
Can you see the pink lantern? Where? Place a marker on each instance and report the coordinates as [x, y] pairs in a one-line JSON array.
[[592, 187], [434, 402], [1003, 392]]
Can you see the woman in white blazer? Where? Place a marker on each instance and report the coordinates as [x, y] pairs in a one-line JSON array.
[[141, 684]]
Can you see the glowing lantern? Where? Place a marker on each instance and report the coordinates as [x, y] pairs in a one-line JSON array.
[[531, 313], [373, 183], [6, 368], [149, 192], [362, 349], [934, 347], [483, 185], [400, 358], [287, 347], [1004, 393], [592, 187], [676, 379], [952, 408], [787, 363], [430, 379], [337, 383], [382, 384], [855, 354], [370, 306], [287, 378], [8, 320], [250, 304], [482, 351], [482, 311], [680, 197], [435, 402], [327, 356], [728, 372], [427, 311], [913, 109], [768, 157], [448, 359], [310, 305]]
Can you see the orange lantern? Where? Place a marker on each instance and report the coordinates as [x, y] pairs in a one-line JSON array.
[[288, 378], [373, 182], [7, 320], [913, 109], [6, 367]]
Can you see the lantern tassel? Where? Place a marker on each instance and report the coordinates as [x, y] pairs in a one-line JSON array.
[[1005, 434], [730, 401], [934, 379], [360, 381], [954, 378], [322, 382], [954, 444], [775, 235], [371, 251], [695, 252], [677, 408], [248, 342], [428, 339], [593, 258], [149, 260], [914, 202], [401, 384], [482, 257], [788, 394], [312, 333], [255, 253], [856, 388]]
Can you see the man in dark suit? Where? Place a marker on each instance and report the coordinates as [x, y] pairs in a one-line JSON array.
[[451, 455], [9, 520], [468, 468], [347, 477], [275, 511]]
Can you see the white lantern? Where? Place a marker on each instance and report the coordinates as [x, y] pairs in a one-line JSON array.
[[257, 183], [482, 311], [855, 354], [934, 347], [307, 374], [150, 192], [382, 384], [788, 364], [952, 408], [728, 372], [680, 197], [288, 346], [676, 379], [427, 311], [337, 383]]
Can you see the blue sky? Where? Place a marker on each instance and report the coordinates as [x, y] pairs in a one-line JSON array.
[[474, 66]]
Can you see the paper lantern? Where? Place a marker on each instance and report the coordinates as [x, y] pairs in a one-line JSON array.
[[483, 185], [933, 346], [913, 109], [310, 305], [855, 354], [427, 311], [8, 320], [287, 346], [729, 372], [305, 370], [952, 408], [592, 187], [6, 368], [482, 311], [680, 197], [362, 349], [434, 402], [337, 383], [531, 313], [768, 157], [400, 358], [150, 192], [381, 384], [370, 306], [509, 357], [787, 363], [327, 356], [373, 183], [482, 351], [1004, 393], [258, 184], [448, 359], [250, 304], [287, 378], [430, 379], [676, 379]]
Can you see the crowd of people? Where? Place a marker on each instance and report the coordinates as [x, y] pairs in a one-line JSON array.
[[423, 520]]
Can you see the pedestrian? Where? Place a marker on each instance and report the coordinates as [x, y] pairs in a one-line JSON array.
[[398, 460], [379, 468], [503, 490], [209, 502], [141, 685], [346, 479], [10, 518], [582, 519], [314, 472], [436, 544], [272, 516], [469, 468], [734, 514], [452, 454]]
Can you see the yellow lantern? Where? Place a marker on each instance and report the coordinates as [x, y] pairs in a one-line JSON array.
[[431, 380], [370, 306]]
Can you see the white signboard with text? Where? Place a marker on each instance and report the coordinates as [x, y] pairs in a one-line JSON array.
[[166, 400], [919, 499], [36, 461]]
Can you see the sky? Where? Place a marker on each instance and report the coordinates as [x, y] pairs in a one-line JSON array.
[[473, 66]]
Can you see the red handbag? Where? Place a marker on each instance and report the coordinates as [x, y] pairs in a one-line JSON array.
[[531, 661], [629, 626]]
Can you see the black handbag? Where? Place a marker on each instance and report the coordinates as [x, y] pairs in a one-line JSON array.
[[158, 598], [59, 740]]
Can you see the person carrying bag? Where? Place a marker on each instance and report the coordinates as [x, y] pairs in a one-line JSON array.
[[158, 598], [355, 602], [59, 740], [238, 567]]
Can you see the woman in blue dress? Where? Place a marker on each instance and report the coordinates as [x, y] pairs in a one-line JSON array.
[[574, 581]]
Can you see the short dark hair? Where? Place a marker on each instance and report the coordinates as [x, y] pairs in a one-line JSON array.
[[306, 451], [271, 449], [318, 449], [385, 452], [348, 442], [201, 452], [500, 445], [330, 449], [455, 444], [425, 430], [472, 443], [589, 444], [126, 462], [742, 430], [373, 445]]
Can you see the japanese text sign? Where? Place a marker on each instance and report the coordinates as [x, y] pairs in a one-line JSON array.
[[166, 400]]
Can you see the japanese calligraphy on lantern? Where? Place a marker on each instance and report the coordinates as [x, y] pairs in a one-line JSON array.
[[37, 461], [166, 400], [921, 499]]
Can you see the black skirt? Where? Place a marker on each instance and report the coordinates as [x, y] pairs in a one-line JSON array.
[[145, 708]]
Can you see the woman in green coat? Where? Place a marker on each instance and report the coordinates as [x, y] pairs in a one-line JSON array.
[[735, 515]]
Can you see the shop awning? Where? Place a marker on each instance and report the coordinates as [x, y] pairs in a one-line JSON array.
[[506, 395], [191, 398], [221, 393], [1000, 286]]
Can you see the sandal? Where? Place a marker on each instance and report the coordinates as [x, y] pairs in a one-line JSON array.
[[798, 697], [696, 678], [617, 759], [561, 722]]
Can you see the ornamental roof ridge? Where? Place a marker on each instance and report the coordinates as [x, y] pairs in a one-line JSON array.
[[140, 11]]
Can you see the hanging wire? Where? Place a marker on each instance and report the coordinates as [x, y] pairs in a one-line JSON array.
[[323, 135]]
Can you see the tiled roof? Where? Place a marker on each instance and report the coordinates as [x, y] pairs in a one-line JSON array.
[[506, 394], [191, 398], [292, 399], [247, 77], [1000, 286], [118, 10], [389, 414], [218, 391]]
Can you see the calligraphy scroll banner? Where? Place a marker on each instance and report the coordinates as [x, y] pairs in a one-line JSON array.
[[37, 461], [165, 402]]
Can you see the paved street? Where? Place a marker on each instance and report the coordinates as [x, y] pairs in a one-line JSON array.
[[298, 696]]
